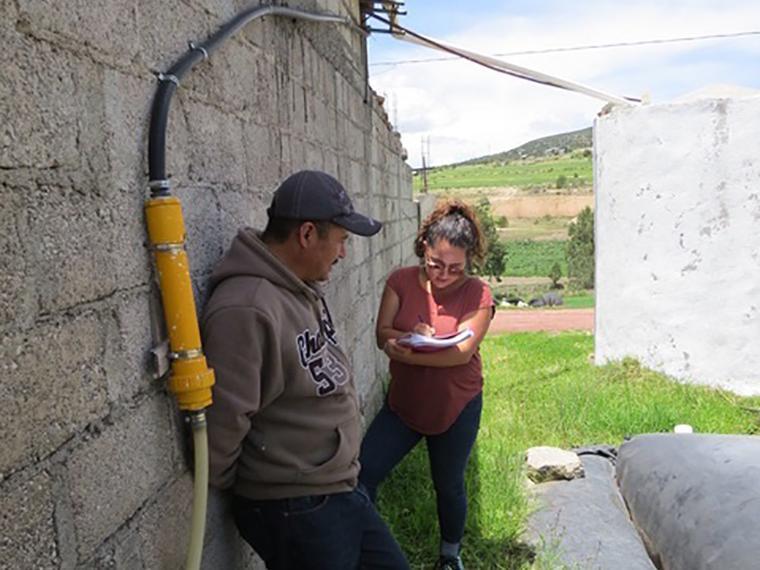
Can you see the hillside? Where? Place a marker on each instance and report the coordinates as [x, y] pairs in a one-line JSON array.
[[539, 148], [560, 162], [566, 173]]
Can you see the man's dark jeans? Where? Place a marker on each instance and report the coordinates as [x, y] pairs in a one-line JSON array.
[[319, 532]]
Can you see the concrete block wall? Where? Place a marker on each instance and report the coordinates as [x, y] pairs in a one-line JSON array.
[[93, 470], [678, 240]]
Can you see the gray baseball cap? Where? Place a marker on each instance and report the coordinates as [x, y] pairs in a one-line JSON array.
[[315, 195]]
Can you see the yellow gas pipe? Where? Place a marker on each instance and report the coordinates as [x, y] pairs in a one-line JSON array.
[[190, 379]]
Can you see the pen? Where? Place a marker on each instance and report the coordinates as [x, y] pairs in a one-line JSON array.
[[420, 319]]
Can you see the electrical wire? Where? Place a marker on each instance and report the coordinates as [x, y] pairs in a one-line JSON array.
[[404, 34], [578, 48]]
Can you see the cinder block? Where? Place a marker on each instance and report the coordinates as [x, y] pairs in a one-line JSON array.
[[318, 127], [355, 139], [314, 156], [238, 210], [222, 9], [263, 155], [128, 342], [9, 12], [201, 213], [223, 546], [298, 160], [225, 79], [122, 551], [163, 526], [161, 45], [298, 109], [109, 26], [129, 459], [354, 178], [215, 146], [127, 102], [27, 528], [51, 385], [83, 249], [38, 110], [17, 302]]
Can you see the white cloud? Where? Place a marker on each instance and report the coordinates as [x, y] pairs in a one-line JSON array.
[[469, 111]]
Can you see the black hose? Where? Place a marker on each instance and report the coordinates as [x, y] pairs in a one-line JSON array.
[[169, 81]]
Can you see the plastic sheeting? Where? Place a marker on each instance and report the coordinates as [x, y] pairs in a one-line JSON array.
[[695, 499], [584, 523]]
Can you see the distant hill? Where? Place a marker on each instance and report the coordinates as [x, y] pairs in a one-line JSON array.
[[539, 148]]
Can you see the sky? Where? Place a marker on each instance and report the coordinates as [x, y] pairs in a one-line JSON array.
[[466, 111]]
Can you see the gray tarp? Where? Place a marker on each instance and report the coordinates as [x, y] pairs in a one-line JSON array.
[[695, 498], [585, 522]]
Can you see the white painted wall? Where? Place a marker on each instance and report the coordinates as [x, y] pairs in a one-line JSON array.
[[678, 240]]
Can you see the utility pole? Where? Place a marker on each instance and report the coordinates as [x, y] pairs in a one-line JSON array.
[[424, 165]]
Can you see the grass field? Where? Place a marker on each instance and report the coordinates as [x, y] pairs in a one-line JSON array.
[[544, 173], [527, 258], [540, 229], [583, 300], [542, 390]]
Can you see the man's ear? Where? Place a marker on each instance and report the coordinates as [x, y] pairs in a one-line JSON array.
[[306, 233]]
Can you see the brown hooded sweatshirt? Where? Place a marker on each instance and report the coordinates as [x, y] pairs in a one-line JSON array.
[[285, 417]]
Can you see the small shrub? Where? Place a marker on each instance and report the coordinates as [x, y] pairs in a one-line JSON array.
[[555, 274], [561, 181], [580, 250]]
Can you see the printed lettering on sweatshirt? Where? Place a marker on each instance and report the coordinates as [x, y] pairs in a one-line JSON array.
[[327, 372]]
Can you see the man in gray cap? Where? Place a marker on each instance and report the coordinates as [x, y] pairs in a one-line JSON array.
[[284, 428]]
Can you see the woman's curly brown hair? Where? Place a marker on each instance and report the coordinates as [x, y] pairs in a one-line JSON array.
[[457, 223]]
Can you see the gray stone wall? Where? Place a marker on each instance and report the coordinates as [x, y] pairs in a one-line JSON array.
[[93, 470]]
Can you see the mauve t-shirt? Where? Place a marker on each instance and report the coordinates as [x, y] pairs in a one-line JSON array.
[[429, 399]]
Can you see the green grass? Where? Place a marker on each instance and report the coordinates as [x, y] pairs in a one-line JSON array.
[[544, 173], [527, 258], [583, 300], [542, 390], [544, 228]]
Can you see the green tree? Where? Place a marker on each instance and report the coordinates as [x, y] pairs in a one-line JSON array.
[[555, 274], [496, 252], [580, 250]]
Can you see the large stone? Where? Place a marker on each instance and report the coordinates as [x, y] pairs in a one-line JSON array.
[[584, 523], [552, 464], [52, 384], [27, 528]]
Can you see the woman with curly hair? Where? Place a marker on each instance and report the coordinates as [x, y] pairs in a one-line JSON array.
[[435, 395]]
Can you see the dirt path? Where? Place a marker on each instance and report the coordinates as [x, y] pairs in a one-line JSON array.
[[542, 320]]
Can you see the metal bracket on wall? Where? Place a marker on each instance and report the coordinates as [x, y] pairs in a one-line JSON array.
[[391, 8], [159, 362]]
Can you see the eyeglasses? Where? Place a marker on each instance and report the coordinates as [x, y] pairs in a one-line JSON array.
[[440, 267]]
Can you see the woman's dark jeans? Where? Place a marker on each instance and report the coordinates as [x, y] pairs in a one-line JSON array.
[[389, 439], [319, 532]]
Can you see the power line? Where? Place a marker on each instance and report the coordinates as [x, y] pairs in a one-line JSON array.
[[579, 48]]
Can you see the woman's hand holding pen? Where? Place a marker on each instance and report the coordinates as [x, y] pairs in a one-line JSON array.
[[423, 328]]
